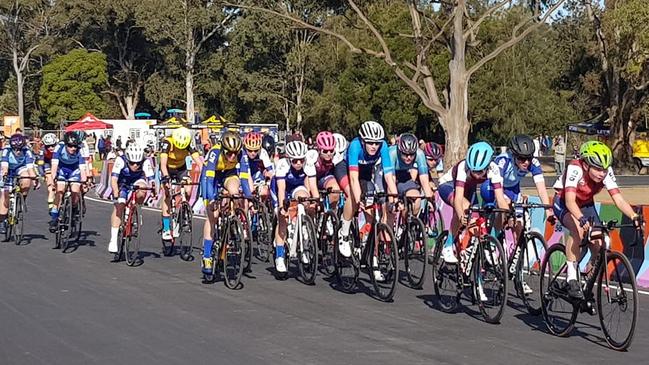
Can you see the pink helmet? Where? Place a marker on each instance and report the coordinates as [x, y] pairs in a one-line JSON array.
[[433, 151], [326, 141]]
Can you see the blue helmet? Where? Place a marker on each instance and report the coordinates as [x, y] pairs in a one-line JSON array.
[[479, 156]]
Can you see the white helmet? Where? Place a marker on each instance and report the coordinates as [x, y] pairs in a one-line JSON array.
[[341, 143], [134, 153], [371, 131], [296, 149], [50, 139]]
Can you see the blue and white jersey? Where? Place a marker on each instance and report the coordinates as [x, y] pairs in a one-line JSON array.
[[291, 176], [67, 159], [13, 160], [512, 174], [124, 174], [419, 163], [359, 159]]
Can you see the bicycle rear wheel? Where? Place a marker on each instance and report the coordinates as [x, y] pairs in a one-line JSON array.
[[387, 262], [490, 274], [233, 258], [264, 231], [558, 311], [617, 300], [308, 253], [18, 219], [132, 246], [415, 252], [65, 228], [185, 238], [528, 269], [445, 277], [327, 241]]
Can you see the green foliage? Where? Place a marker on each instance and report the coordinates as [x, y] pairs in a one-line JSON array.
[[72, 84]]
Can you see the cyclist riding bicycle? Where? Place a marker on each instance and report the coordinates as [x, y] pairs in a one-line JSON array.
[[45, 164], [17, 160], [295, 178], [261, 168], [131, 169], [574, 203], [410, 169], [457, 188], [227, 169], [68, 165], [366, 168], [324, 162], [173, 153], [434, 160]]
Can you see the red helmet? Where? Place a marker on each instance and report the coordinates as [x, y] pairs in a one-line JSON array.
[[433, 151], [252, 141], [326, 141]]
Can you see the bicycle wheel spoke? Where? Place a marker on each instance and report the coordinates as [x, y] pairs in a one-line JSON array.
[[491, 279]]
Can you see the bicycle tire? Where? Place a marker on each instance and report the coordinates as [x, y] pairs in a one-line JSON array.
[[415, 253], [65, 221], [308, 271], [18, 219], [491, 258], [264, 238], [132, 246], [348, 268], [387, 262], [445, 278], [328, 242], [247, 242], [185, 237], [528, 268], [168, 246], [78, 224], [233, 259], [121, 242], [625, 278], [560, 322]]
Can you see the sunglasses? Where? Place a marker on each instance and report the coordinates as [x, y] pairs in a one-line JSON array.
[[327, 151], [297, 160], [480, 172], [373, 143], [230, 154], [71, 146], [408, 154], [523, 159], [135, 163]]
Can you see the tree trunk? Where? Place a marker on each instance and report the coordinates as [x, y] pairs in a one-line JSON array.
[[131, 105], [20, 83]]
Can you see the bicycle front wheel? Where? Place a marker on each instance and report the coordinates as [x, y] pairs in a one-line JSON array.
[[445, 277], [65, 226], [415, 253], [233, 257], [264, 238], [247, 239], [308, 260], [558, 311], [617, 300], [327, 240], [18, 219], [132, 244], [385, 263], [528, 269], [490, 279], [185, 232]]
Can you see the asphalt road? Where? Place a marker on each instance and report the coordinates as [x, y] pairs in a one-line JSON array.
[[79, 308]]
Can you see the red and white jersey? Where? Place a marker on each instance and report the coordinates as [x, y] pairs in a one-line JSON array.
[[576, 179]]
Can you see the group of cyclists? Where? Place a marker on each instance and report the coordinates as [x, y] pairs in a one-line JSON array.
[[353, 171]]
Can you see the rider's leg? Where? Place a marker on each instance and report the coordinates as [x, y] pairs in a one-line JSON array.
[[51, 189], [25, 184], [4, 208], [115, 221], [164, 208]]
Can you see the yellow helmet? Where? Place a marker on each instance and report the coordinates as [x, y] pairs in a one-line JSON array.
[[231, 141], [596, 154], [181, 137]]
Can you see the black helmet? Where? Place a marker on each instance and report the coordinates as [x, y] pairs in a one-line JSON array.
[[522, 145], [71, 138], [268, 143], [17, 141], [408, 144]]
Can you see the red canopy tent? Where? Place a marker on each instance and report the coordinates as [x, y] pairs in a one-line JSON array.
[[88, 122]]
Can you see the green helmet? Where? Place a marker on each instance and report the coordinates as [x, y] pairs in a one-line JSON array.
[[596, 154]]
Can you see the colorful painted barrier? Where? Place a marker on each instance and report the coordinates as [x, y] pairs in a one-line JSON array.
[[621, 240]]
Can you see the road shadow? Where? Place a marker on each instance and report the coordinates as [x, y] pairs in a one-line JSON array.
[[29, 238]]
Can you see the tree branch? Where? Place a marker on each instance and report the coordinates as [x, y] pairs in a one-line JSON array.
[[475, 25]]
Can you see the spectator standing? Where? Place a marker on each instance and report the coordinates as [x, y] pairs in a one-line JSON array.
[[108, 146], [559, 155], [537, 146], [101, 147], [118, 142]]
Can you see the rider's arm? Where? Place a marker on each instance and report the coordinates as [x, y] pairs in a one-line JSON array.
[[55, 161], [209, 173], [268, 164], [611, 185], [312, 180], [196, 156], [29, 163], [355, 149], [281, 191], [422, 170], [244, 176], [388, 169], [83, 168], [118, 166], [574, 174], [164, 157], [4, 164], [149, 172], [539, 181], [493, 174]]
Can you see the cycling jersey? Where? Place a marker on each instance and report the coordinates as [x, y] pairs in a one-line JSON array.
[[293, 178], [69, 164], [460, 176], [16, 162], [217, 169], [512, 174], [176, 157], [359, 160], [259, 164], [126, 176], [401, 168], [576, 179]]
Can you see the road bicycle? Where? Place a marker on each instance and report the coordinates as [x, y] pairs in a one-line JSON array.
[[410, 233], [180, 216], [68, 227], [17, 211], [128, 236]]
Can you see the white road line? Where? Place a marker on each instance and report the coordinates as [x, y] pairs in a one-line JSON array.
[[143, 208]]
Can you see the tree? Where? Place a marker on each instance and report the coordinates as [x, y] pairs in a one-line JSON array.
[[186, 27], [110, 26], [456, 26], [72, 85], [623, 49], [24, 29]]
